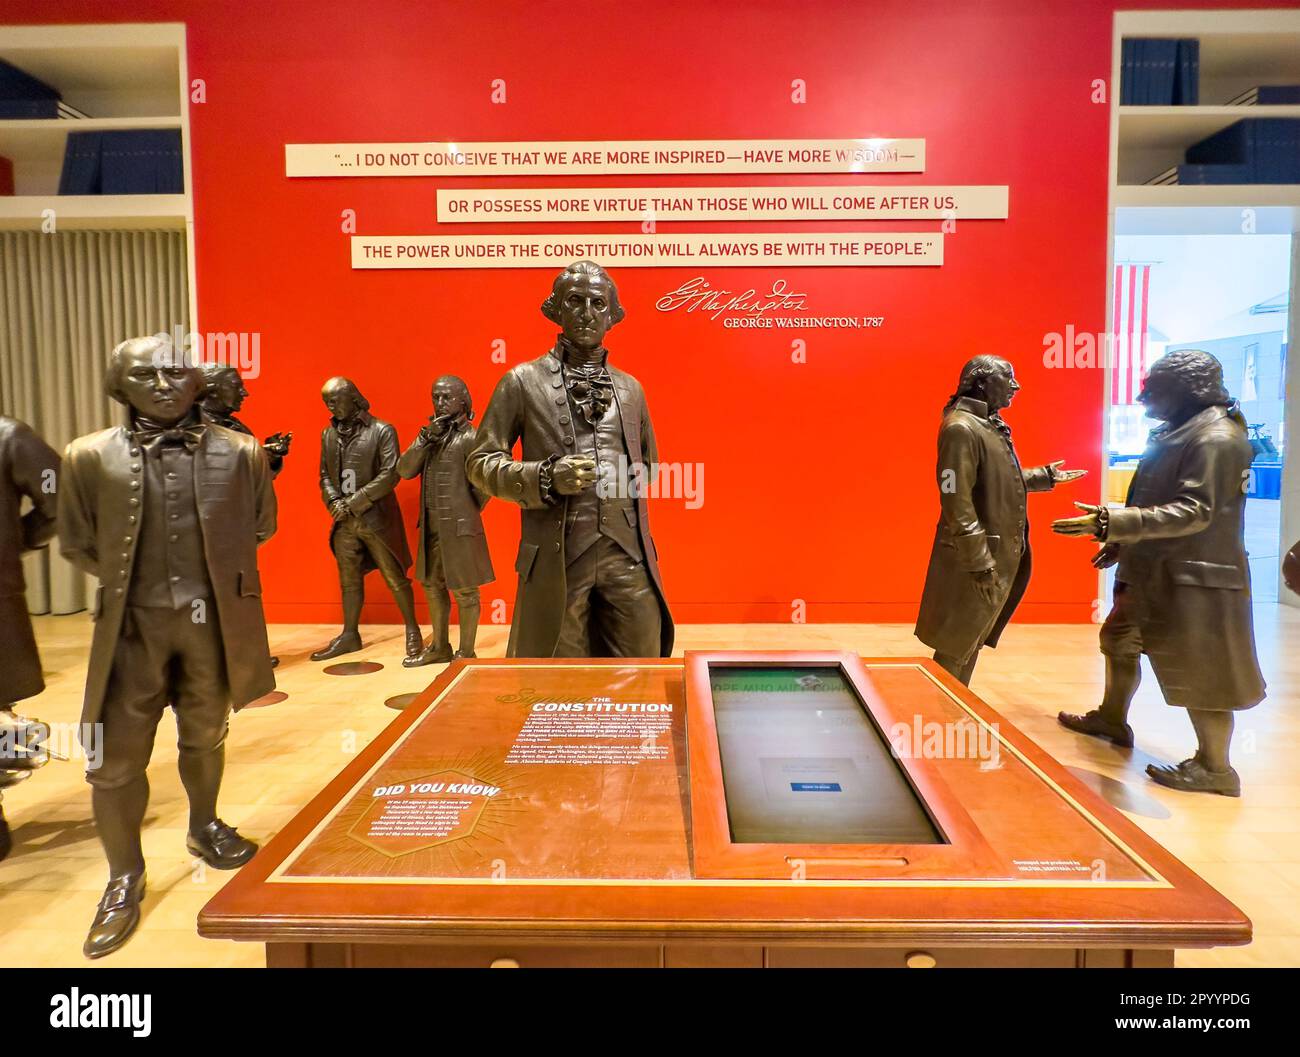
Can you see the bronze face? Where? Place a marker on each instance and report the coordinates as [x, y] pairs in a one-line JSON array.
[[156, 382], [1163, 395], [449, 397], [340, 396], [1000, 387], [586, 310], [229, 390]]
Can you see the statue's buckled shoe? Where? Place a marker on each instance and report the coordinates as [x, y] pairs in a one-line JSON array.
[[348, 642], [221, 846], [1092, 724], [117, 916], [1192, 776]]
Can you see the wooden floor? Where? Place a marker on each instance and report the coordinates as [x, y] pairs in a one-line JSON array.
[[282, 755]]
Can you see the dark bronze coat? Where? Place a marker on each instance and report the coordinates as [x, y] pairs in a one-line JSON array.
[[371, 458], [527, 405], [983, 524], [456, 506], [218, 418], [1183, 557], [28, 468], [99, 530]]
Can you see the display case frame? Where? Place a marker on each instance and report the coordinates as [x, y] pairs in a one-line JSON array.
[[964, 852]]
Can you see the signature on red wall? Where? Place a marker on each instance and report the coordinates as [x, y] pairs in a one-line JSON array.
[[697, 295]]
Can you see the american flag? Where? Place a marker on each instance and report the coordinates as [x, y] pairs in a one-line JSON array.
[[1129, 332]]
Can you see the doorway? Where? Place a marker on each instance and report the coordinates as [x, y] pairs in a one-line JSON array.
[[1227, 295]]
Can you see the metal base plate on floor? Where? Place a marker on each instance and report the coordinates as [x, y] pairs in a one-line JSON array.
[[354, 668], [401, 701], [273, 698]]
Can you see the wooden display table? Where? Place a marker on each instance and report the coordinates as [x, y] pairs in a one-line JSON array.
[[835, 812]]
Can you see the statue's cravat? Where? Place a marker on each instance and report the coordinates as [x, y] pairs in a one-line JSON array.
[[151, 435], [587, 379]]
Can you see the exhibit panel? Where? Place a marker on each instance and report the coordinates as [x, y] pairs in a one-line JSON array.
[[553, 813]]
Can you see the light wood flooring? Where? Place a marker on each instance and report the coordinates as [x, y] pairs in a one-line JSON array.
[[280, 756]]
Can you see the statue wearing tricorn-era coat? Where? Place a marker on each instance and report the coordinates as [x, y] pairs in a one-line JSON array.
[[29, 469], [980, 561], [453, 553], [588, 570], [223, 395], [168, 513], [358, 472], [1182, 587]]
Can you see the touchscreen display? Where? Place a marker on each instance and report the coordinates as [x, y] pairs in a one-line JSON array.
[[803, 762]]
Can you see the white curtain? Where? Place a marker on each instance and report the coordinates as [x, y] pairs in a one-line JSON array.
[[65, 300]]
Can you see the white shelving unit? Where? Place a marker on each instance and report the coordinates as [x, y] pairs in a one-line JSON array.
[[1238, 50], [125, 76]]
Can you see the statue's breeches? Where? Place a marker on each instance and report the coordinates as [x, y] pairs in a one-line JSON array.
[[435, 578], [611, 608], [1200, 664], [353, 540], [1121, 636], [162, 658]]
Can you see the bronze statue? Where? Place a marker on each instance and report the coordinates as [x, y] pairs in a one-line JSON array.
[[980, 561], [588, 570], [358, 472], [1291, 568], [168, 513], [453, 550], [21, 752], [1182, 589], [223, 395], [29, 469]]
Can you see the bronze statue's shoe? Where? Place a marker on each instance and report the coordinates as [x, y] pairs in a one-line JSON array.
[[6, 839], [1192, 776], [466, 656], [221, 846], [420, 659], [8, 778], [1092, 724], [117, 916], [414, 649], [436, 654], [23, 739], [348, 642]]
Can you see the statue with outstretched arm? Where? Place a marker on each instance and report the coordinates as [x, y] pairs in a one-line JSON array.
[[1182, 586], [980, 560]]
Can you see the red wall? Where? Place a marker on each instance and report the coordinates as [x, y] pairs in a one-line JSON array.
[[818, 477]]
